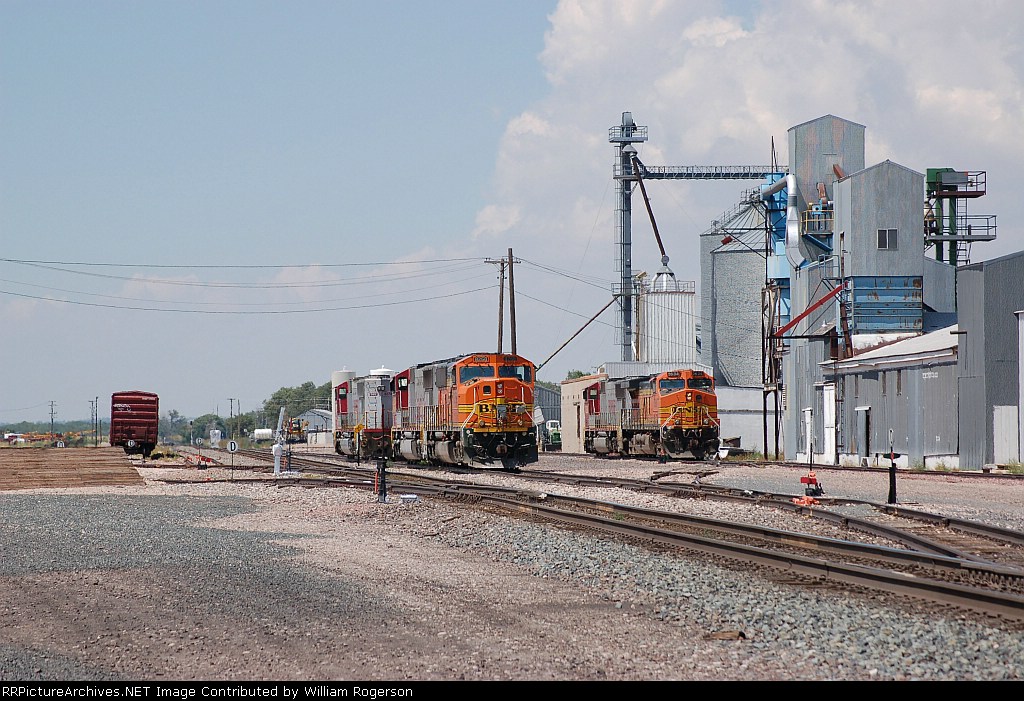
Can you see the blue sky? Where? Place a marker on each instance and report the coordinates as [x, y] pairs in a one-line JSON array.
[[214, 199]]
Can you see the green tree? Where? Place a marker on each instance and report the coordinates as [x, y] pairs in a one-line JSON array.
[[296, 400], [574, 374], [201, 426], [174, 427]]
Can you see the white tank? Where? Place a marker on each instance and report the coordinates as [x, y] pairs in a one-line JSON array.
[[667, 321], [263, 434]]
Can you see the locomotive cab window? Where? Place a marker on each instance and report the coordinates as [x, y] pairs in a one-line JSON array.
[[672, 385], [474, 372], [705, 384], [522, 372]]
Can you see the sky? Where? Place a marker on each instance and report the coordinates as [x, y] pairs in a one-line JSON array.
[[212, 200]]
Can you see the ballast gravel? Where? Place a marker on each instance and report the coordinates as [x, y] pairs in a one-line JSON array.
[[244, 580]]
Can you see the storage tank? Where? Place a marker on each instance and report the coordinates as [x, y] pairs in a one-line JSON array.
[[667, 321], [263, 434]]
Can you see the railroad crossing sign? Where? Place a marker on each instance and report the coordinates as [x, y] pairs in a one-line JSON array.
[[232, 446]]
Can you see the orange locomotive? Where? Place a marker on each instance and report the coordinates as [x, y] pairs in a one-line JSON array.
[[673, 414], [474, 410]]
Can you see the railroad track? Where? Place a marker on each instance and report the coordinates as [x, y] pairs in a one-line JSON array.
[[925, 570]]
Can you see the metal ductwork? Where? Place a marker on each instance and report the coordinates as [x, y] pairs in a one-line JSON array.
[[793, 254]]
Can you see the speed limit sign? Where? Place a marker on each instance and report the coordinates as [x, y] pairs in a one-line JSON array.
[[232, 446]]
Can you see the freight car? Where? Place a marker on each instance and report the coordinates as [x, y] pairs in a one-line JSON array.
[[472, 410], [134, 421], [673, 414]]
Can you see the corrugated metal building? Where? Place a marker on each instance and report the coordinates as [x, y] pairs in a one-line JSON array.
[[549, 401], [988, 295], [318, 420], [909, 388], [879, 227]]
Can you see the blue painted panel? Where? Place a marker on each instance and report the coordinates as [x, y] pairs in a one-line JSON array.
[[881, 304]]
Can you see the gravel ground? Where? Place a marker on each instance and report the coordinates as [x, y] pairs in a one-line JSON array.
[[245, 581]]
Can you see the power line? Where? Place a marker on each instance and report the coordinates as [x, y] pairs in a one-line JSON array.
[[264, 285], [245, 312], [191, 266], [246, 304]]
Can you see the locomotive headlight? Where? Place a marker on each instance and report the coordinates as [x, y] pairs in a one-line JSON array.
[[689, 396]]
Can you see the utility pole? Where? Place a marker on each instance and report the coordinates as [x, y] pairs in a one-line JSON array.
[[511, 302], [231, 415], [96, 424], [92, 415], [501, 263], [53, 410]]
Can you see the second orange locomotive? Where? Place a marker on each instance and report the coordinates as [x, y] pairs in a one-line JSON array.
[[673, 413]]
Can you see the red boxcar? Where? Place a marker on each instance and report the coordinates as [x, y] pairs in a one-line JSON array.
[[134, 421]]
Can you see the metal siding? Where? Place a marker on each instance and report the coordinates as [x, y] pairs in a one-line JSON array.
[[1004, 294], [668, 328], [814, 146], [885, 196], [988, 294], [842, 209], [735, 306], [708, 242], [936, 387], [939, 285], [1004, 431], [974, 443], [885, 304], [549, 401]]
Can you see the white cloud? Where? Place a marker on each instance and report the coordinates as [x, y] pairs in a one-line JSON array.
[[495, 220]]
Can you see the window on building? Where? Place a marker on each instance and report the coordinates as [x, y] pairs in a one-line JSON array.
[[887, 239]]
